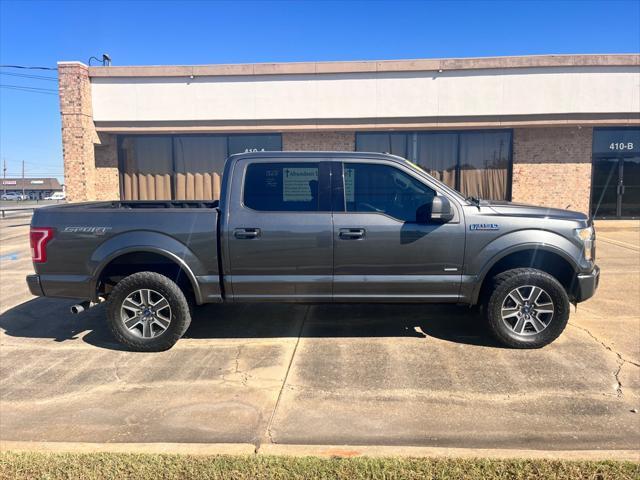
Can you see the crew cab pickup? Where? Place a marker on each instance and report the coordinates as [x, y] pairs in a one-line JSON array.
[[316, 227]]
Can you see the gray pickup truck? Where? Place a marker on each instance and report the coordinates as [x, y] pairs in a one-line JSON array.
[[316, 227]]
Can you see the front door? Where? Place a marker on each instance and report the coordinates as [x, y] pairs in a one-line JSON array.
[[279, 234], [615, 190], [380, 252]]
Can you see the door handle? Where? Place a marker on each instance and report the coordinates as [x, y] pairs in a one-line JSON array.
[[246, 233], [352, 233]]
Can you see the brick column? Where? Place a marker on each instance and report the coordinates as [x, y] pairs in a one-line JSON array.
[[552, 167], [78, 132]]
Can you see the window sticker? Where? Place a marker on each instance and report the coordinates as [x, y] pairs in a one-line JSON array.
[[295, 184], [271, 178], [349, 174]]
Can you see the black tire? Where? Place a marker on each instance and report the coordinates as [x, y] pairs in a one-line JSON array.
[[179, 313], [554, 323]]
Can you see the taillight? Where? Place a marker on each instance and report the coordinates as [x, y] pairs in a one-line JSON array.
[[39, 237]]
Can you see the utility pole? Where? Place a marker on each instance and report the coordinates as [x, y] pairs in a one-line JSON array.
[[4, 176], [23, 178]]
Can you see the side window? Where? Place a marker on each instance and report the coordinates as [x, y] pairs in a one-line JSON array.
[[384, 189], [282, 187]]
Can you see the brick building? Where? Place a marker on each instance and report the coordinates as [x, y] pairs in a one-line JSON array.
[[560, 131]]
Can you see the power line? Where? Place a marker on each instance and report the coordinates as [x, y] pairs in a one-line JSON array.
[[38, 172], [25, 67], [28, 162], [44, 91], [13, 176], [26, 75], [30, 88]]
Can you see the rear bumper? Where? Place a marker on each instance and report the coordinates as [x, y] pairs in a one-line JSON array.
[[60, 286], [33, 281], [587, 284]]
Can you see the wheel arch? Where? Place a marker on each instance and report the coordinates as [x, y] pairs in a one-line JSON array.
[[547, 258], [148, 253]]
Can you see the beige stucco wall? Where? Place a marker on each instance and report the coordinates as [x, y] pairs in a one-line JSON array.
[[371, 95]]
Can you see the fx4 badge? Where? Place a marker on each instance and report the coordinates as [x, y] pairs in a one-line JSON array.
[[484, 226]]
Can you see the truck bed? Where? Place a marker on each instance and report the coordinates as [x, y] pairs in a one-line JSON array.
[[89, 237]]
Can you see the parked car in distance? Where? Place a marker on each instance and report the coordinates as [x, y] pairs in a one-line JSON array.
[[14, 196], [56, 196], [316, 227]]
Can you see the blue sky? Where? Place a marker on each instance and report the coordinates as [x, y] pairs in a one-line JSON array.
[[201, 32]]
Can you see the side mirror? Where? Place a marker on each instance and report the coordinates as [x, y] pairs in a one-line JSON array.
[[441, 210]]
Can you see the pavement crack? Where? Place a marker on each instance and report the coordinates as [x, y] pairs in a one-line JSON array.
[[115, 371], [244, 376], [237, 360], [608, 347], [616, 375], [619, 358], [268, 432]]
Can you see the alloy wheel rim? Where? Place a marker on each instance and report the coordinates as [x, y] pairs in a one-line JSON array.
[[527, 310], [146, 313]]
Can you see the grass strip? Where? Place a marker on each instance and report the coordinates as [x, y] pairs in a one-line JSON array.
[[34, 465]]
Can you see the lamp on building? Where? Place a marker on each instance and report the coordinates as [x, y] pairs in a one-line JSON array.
[[106, 60]]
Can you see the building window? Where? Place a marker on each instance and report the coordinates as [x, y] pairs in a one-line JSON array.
[[181, 167], [615, 178], [146, 168], [476, 163]]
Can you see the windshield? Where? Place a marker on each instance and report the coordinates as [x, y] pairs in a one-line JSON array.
[[446, 187]]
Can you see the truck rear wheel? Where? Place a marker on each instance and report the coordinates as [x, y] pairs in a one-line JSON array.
[[147, 312], [528, 308]]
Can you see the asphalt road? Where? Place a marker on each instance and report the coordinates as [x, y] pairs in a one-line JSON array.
[[297, 374]]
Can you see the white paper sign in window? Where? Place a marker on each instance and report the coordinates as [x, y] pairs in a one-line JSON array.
[[295, 184]]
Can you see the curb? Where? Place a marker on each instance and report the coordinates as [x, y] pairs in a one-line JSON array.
[[445, 452], [151, 448], [342, 451]]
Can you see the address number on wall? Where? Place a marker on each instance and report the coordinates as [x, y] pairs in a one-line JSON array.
[[621, 146]]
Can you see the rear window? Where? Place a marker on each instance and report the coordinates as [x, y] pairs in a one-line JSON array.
[[282, 187]]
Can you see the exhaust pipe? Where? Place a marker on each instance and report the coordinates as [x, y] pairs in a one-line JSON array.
[[86, 305], [80, 307]]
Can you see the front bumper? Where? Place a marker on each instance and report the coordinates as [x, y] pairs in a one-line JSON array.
[[587, 284], [35, 287]]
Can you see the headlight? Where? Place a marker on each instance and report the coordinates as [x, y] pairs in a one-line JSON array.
[[588, 237]]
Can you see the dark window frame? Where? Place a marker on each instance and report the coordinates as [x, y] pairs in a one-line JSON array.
[[120, 153], [409, 133]]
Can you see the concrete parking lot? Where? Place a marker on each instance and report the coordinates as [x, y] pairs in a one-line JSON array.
[[357, 375]]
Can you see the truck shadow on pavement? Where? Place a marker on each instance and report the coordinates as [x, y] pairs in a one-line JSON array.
[[45, 318]]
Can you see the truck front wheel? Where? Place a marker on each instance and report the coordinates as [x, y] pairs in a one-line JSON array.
[[147, 312], [528, 308]]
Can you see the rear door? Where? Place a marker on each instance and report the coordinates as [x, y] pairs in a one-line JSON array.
[[381, 252], [279, 231]]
